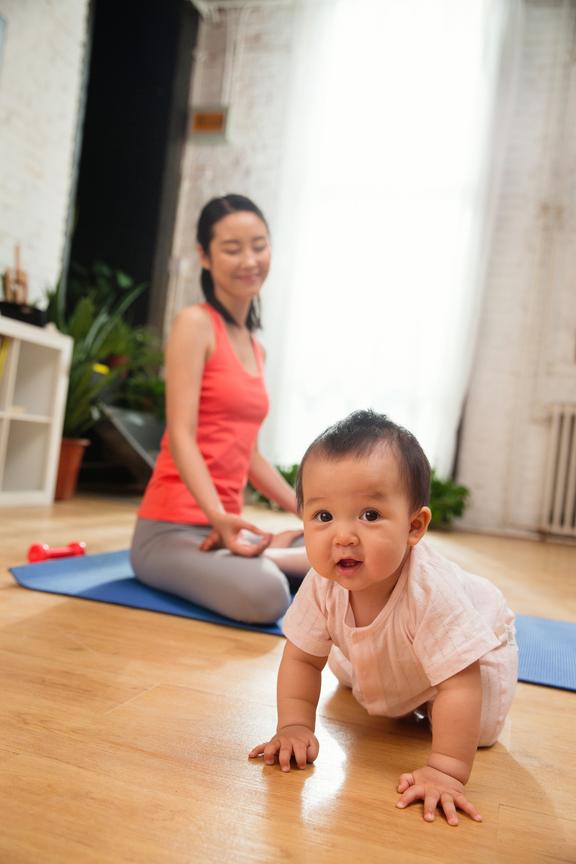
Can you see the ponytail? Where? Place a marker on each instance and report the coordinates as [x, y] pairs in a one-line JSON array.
[[253, 320]]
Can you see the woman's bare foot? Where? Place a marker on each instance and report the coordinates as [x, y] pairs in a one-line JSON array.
[[293, 560], [284, 539]]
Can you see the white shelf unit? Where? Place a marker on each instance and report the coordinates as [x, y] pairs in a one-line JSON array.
[[34, 367]]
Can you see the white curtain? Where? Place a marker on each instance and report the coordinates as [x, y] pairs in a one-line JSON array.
[[384, 216]]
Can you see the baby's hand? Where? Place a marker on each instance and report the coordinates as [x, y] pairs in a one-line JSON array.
[[290, 741], [435, 788]]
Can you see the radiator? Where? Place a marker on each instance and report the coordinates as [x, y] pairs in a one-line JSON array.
[[559, 515]]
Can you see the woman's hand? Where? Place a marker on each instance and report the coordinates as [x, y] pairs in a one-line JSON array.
[[227, 533], [435, 788], [296, 742]]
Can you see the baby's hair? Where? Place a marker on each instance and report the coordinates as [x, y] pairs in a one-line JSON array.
[[358, 435]]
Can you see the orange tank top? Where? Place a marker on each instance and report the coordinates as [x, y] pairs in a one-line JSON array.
[[233, 404]]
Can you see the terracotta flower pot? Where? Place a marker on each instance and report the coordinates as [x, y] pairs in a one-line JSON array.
[[71, 454]]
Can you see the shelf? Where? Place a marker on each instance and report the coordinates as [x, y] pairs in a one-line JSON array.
[[35, 381], [26, 452], [34, 363], [24, 418]]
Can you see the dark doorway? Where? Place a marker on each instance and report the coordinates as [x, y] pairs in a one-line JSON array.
[[132, 140]]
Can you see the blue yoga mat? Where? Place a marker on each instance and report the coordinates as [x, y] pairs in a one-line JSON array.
[[547, 648], [547, 652], [108, 577]]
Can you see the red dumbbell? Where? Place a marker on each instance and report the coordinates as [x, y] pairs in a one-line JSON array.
[[42, 552]]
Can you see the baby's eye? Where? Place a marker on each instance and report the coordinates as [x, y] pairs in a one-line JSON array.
[[323, 516], [370, 516], [259, 249]]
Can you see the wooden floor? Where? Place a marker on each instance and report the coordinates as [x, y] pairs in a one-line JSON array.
[[125, 733]]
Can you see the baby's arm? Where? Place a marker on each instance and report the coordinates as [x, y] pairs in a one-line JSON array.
[[299, 681], [456, 723], [455, 735]]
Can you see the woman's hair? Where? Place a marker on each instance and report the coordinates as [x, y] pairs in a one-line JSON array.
[[358, 435], [213, 212]]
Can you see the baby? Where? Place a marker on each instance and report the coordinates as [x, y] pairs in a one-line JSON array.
[[397, 622]]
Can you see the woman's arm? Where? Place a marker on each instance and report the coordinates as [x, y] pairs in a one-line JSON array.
[[190, 344], [267, 480]]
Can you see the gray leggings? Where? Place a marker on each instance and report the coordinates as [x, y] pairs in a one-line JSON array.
[[165, 555]]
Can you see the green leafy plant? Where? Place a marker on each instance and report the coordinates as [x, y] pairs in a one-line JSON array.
[[140, 357], [447, 501], [94, 318], [135, 352], [289, 472], [102, 283]]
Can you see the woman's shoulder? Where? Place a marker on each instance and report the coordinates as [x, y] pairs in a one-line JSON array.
[[194, 320], [196, 315], [192, 332]]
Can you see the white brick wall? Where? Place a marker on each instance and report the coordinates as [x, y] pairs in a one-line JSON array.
[[40, 79], [248, 162], [526, 355], [527, 331]]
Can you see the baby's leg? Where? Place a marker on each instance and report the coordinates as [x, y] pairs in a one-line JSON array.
[[165, 555], [499, 674]]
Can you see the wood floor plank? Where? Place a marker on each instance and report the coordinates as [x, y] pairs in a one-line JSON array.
[[125, 733], [552, 836]]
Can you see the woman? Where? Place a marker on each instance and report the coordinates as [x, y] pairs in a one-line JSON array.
[[190, 538]]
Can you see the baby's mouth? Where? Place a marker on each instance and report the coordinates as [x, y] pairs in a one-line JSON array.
[[348, 565]]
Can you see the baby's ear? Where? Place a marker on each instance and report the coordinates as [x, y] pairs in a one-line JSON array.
[[419, 522]]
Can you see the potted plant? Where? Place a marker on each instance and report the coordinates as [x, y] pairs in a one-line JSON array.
[[448, 501], [93, 315], [138, 356]]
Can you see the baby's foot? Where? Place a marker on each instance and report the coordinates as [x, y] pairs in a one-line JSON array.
[[285, 539]]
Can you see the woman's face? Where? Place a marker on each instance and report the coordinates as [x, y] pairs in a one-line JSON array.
[[239, 257]]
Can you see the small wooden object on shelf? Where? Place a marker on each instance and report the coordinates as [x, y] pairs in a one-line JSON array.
[[15, 292]]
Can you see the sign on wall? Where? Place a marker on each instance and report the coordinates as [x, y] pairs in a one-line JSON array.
[[208, 122]]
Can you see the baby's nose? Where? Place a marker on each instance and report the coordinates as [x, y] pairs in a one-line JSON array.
[[345, 536]]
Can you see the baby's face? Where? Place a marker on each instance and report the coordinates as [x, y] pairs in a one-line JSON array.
[[357, 519]]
